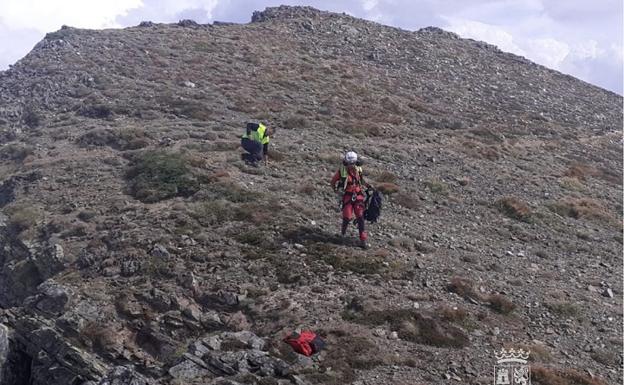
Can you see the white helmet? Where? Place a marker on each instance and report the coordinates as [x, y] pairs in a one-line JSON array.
[[350, 157]]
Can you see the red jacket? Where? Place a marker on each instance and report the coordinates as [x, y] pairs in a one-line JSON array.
[[354, 180]]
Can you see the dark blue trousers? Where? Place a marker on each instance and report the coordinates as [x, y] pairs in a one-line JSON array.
[[253, 148]]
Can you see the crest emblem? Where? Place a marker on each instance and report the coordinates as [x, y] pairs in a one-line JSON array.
[[512, 367]]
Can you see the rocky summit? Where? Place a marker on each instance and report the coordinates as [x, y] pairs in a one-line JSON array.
[[138, 248]]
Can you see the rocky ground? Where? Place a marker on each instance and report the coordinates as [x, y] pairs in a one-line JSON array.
[[137, 248]]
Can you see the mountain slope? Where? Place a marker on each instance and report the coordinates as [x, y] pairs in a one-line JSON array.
[[131, 230]]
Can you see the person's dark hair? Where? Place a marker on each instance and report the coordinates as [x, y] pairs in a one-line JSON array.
[[252, 126]]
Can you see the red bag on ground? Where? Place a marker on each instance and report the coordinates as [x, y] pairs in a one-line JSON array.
[[306, 342]]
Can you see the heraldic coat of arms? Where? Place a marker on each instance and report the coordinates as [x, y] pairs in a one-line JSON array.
[[512, 368]]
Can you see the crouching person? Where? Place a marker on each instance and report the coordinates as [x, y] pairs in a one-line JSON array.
[[255, 142]]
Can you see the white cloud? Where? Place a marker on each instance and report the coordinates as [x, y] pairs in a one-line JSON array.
[[485, 32], [588, 49], [561, 40], [617, 52], [369, 5], [48, 16], [547, 51]]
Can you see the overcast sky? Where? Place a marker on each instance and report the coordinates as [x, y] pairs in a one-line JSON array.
[[580, 37]]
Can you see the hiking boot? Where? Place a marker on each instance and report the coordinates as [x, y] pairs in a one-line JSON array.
[[363, 244]]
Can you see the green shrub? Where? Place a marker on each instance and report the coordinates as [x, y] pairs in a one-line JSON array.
[[22, 217], [230, 191], [127, 139], [159, 175], [96, 111], [211, 212], [437, 186], [31, 117], [605, 357], [86, 215], [564, 309], [16, 152]]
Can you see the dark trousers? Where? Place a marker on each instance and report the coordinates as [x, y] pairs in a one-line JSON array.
[[253, 148]]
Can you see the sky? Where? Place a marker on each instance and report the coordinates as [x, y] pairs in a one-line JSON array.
[[579, 37]]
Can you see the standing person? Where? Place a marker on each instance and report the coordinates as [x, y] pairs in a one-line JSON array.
[[349, 181], [256, 142]]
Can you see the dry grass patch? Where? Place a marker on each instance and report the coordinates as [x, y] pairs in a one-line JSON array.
[[224, 145], [408, 243], [501, 304], [277, 156], [479, 150], [119, 139], [541, 375], [330, 158], [345, 353], [387, 188], [413, 326], [219, 174], [102, 338], [571, 183], [464, 288], [261, 212], [295, 121], [386, 177], [361, 128], [514, 208], [564, 309], [456, 315], [406, 200], [582, 208], [357, 263], [306, 188], [225, 188], [580, 171], [452, 314]]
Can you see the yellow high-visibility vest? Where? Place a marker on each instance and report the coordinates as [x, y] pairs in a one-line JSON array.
[[258, 135]]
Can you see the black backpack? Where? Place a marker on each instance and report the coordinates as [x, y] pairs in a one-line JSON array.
[[373, 206]]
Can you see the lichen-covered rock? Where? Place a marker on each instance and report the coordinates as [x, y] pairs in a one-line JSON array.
[[52, 298]]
